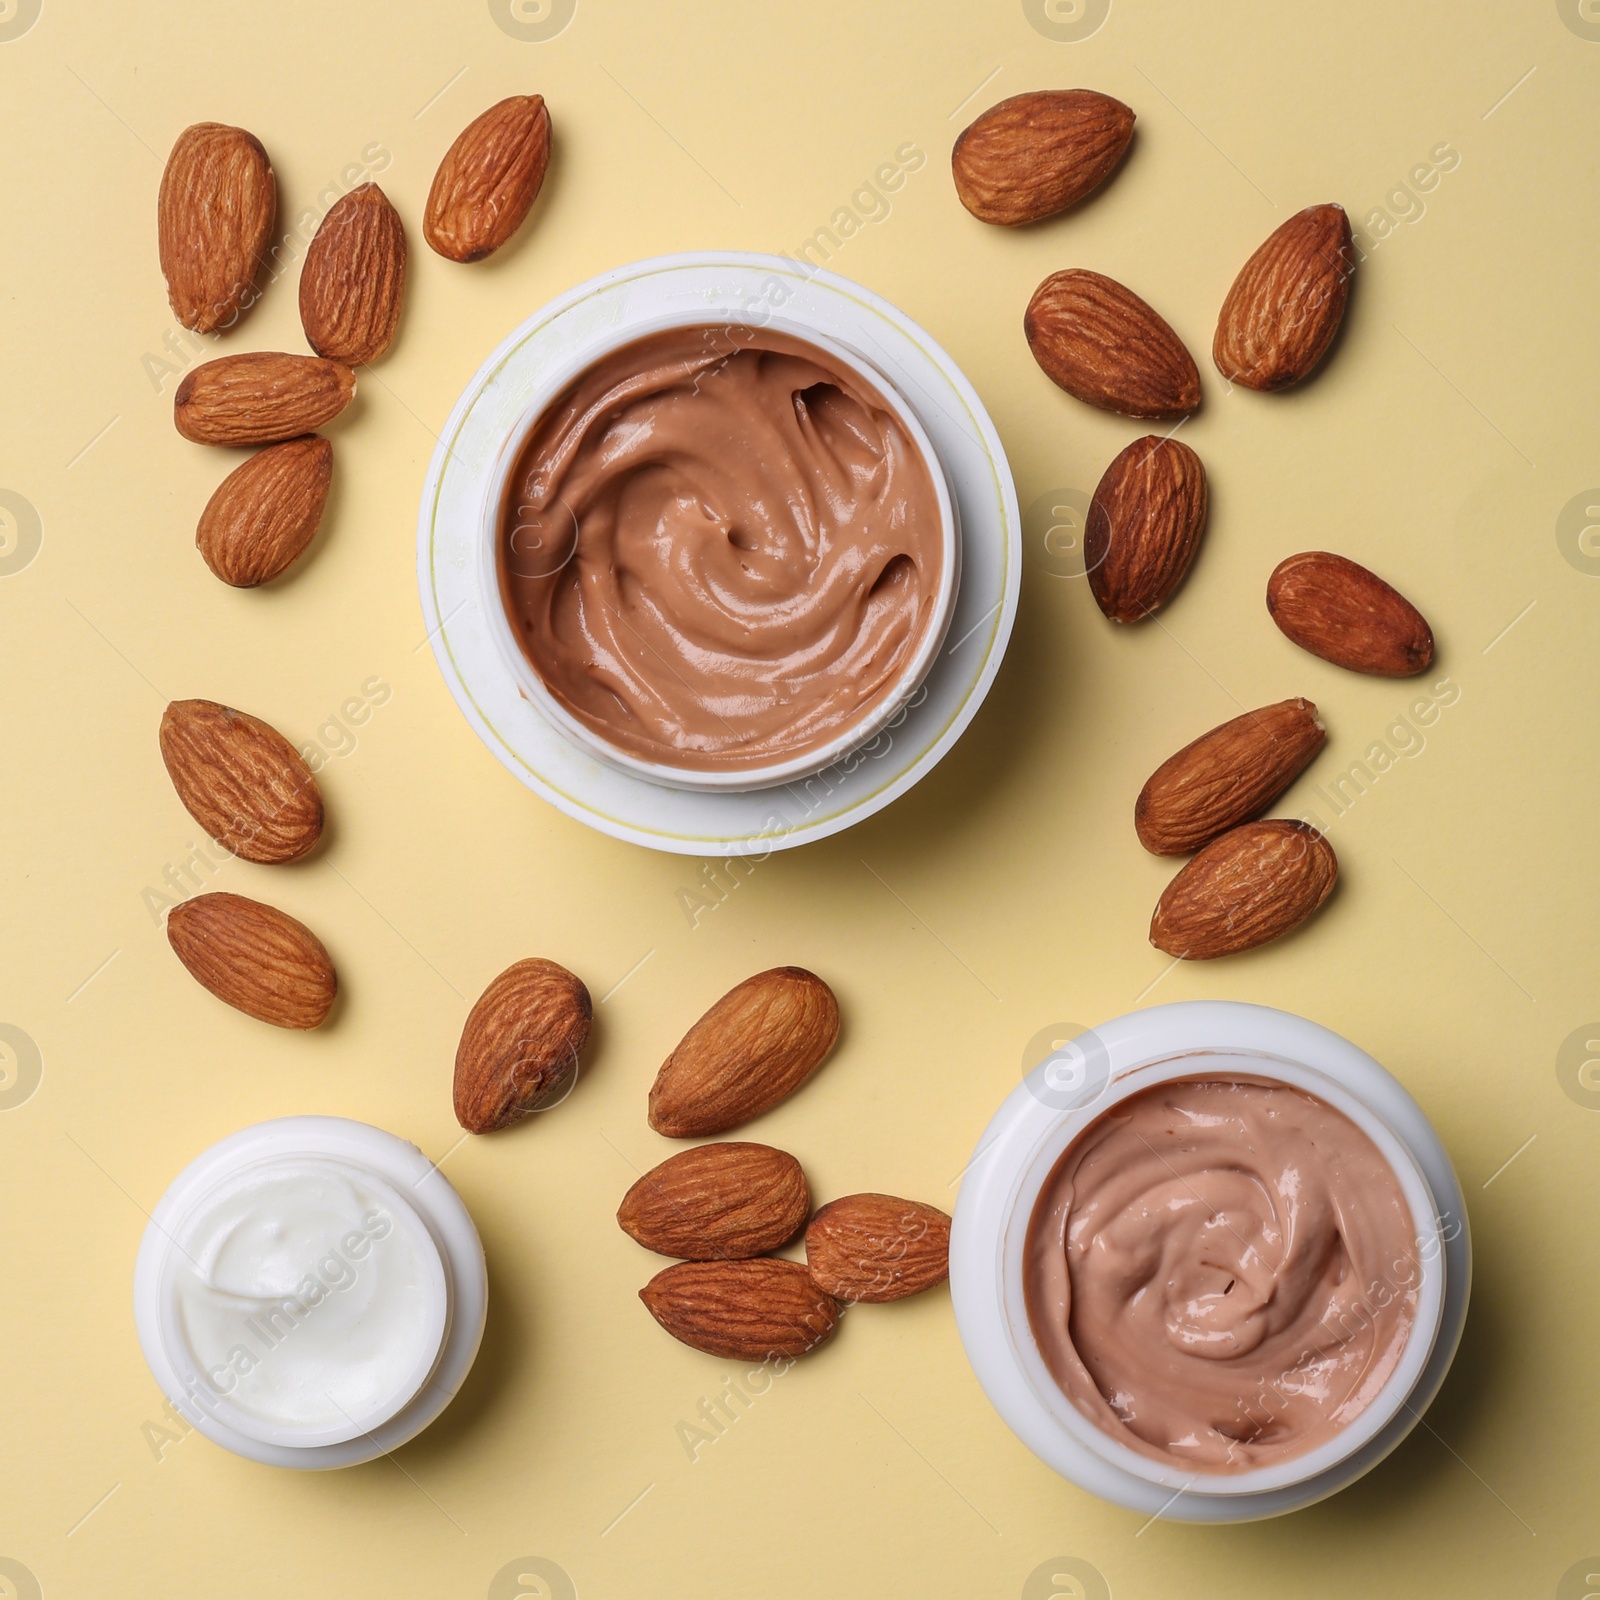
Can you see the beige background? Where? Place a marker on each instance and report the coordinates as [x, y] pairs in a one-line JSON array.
[[1006, 894]]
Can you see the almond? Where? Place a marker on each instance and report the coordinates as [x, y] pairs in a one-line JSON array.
[[1103, 344], [742, 1310], [213, 219], [520, 1044], [1340, 611], [720, 1202], [256, 958], [260, 398], [1287, 303], [753, 1048], [265, 513], [1245, 889], [1227, 776], [1145, 524], [488, 179], [874, 1247], [1036, 154], [241, 780], [354, 278]]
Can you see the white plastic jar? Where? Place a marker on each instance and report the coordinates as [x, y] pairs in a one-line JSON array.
[[877, 759], [310, 1292], [1078, 1082]]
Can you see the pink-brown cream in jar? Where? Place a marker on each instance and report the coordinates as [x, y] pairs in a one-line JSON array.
[[1222, 1273], [719, 548]]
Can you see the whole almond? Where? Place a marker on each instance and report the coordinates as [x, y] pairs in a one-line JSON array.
[[214, 216], [1227, 776], [1103, 344], [1340, 611], [874, 1247], [753, 1048], [255, 958], [1286, 305], [719, 1202], [742, 1310], [354, 278], [265, 513], [1245, 889], [1036, 154], [1145, 525], [241, 780], [520, 1044], [260, 398], [488, 179]]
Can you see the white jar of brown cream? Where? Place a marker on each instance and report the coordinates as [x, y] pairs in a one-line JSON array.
[[1210, 1261]]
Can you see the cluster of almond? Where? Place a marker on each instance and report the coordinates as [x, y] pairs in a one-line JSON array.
[[721, 1209], [215, 215], [1027, 159], [240, 779]]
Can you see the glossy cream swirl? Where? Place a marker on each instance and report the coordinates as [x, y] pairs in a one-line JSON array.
[[1222, 1273], [718, 549]]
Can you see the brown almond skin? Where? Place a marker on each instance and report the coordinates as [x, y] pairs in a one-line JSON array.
[[1285, 307], [257, 959], [1251, 886], [354, 278], [1036, 154], [718, 1202], [1227, 776], [1102, 344], [876, 1248], [753, 1048], [1145, 525], [742, 1310], [520, 1044], [241, 780], [488, 179], [214, 216], [265, 513], [260, 398], [1337, 609]]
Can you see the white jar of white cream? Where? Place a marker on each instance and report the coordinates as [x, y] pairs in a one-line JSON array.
[[310, 1292]]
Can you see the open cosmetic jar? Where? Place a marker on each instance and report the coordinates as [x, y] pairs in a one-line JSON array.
[[1186, 1162], [310, 1292], [764, 553]]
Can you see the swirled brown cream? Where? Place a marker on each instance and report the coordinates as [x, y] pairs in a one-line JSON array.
[[719, 549], [1222, 1273]]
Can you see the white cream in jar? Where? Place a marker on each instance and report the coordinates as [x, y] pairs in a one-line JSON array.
[[310, 1292], [309, 1296]]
